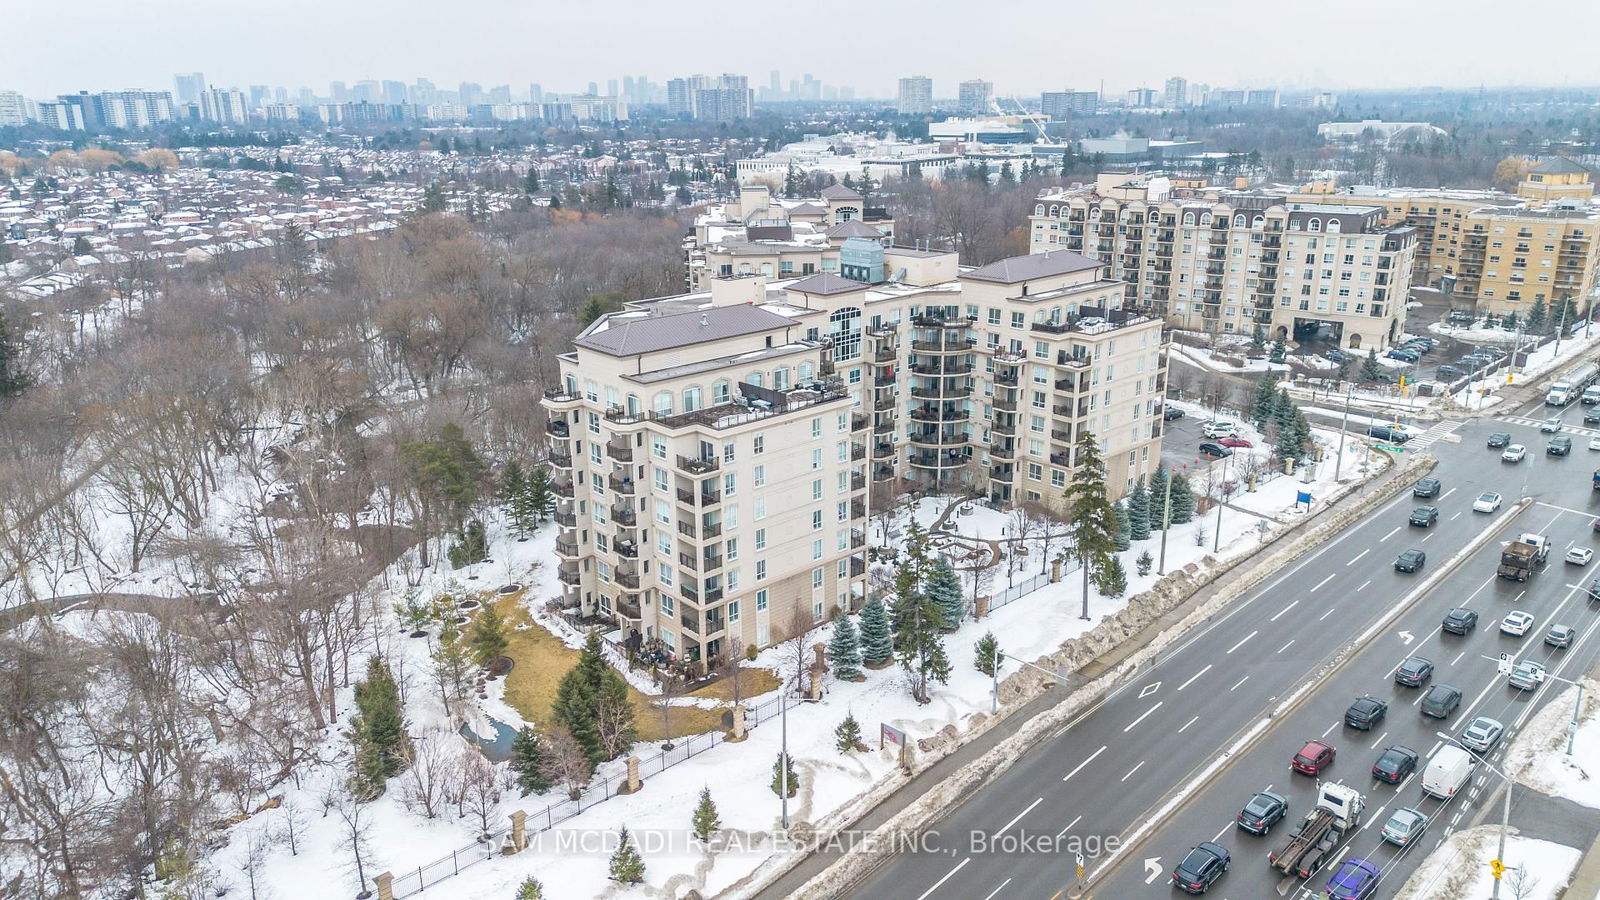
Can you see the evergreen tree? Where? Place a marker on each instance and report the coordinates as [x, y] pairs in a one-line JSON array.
[[944, 589], [1112, 580], [1182, 500], [986, 654], [378, 730], [579, 697], [778, 775], [844, 650], [1279, 350], [1144, 562], [1265, 404], [471, 545], [1158, 499], [1007, 176], [1370, 370], [1508, 321], [877, 647], [13, 379], [1139, 511], [433, 198], [1258, 338], [1536, 317], [538, 500], [918, 618], [1090, 519], [1564, 314], [488, 638], [706, 821], [1283, 410], [513, 482], [848, 734], [627, 866], [530, 889], [1121, 537], [528, 762], [793, 183], [530, 183]]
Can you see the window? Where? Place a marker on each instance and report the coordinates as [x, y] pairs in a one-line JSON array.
[[758, 445], [816, 610], [816, 519], [816, 579], [816, 427], [761, 508], [994, 317], [658, 447], [664, 544], [816, 549], [816, 487], [730, 517], [663, 512], [730, 484], [761, 600], [732, 552], [1019, 320], [664, 575], [660, 478], [760, 475], [761, 570], [727, 452], [816, 458], [761, 539], [667, 603], [733, 605], [733, 580]]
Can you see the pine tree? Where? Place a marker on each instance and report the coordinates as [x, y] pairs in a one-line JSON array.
[[1258, 338], [528, 761], [1370, 370], [877, 646], [378, 730], [706, 821], [944, 589], [1139, 511], [918, 618], [1089, 513], [578, 698], [530, 889], [1182, 500], [1536, 317], [13, 379], [1266, 400], [778, 775], [1121, 536], [1158, 499], [1144, 562], [488, 638], [1112, 581], [538, 498], [627, 866], [530, 182], [512, 484], [986, 654], [848, 734], [1283, 410], [844, 650], [1279, 350]]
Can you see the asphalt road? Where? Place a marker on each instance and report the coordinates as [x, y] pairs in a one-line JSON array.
[[1108, 771]]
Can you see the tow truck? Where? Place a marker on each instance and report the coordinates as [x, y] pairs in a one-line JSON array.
[[1315, 841]]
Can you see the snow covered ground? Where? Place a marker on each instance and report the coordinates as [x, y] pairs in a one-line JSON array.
[[1235, 362], [1540, 756], [1459, 868]]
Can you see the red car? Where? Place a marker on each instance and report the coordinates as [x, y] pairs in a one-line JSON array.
[[1234, 441], [1313, 758]]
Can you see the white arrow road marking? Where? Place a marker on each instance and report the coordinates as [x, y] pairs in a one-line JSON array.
[[1152, 868], [1408, 637]]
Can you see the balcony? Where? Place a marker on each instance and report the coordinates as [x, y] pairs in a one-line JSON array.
[[858, 481], [687, 529], [628, 580], [561, 459], [882, 450], [858, 539], [560, 396], [620, 452], [628, 608], [883, 355], [884, 403], [858, 509], [930, 460], [858, 567], [858, 422], [693, 466], [1005, 404], [1061, 459], [954, 345], [623, 486], [857, 452], [706, 497], [688, 561], [1051, 327], [1006, 426], [627, 549], [1006, 380], [624, 515], [557, 428], [1002, 451], [569, 574], [883, 426], [1072, 360], [937, 414], [568, 549], [934, 439], [949, 369], [926, 321], [564, 489], [566, 519], [882, 473], [711, 562], [947, 392], [711, 529]]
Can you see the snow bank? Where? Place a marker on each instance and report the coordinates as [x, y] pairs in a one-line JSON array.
[[1460, 867]]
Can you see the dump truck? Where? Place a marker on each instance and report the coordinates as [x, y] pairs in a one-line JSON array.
[[1518, 559], [1315, 841]]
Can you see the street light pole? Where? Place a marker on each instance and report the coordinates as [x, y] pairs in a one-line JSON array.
[[1166, 520], [1344, 423], [1505, 811], [1222, 492], [783, 764]]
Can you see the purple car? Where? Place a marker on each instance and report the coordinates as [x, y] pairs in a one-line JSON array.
[[1356, 879]]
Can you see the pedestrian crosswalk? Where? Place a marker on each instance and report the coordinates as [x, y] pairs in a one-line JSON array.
[[1566, 427], [1438, 432]]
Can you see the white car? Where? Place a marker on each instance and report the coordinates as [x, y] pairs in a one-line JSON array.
[[1219, 429], [1516, 622], [1550, 425], [1488, 501], [1594, 443], [1580, 556], [1514, 453]]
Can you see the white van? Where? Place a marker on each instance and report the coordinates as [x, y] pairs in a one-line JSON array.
[[1448, 772], [1219, 428]]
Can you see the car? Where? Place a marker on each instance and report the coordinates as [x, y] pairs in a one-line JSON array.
[[1410, 561], [1440, 701], [1526, 675], [1417, 347], [1425, 516], [1355, 879], [1336, 356], [1594, 442], [1488, 501], [1218, 428], [1591, 416], [1513, 453], [1516, 623], [1263, 811], [1550, 425], [1404, 826], [1427, 487], [1395, 764], [1558, 446], [1580, 556], [1596, 526], [1459, 620], [1208, 448], [1201, 867], [1403, 355], [1449, 371], [1365, 712], [1313, 758], [1560, 636], [1482, 733], [1499, 439], [1171, 412], [1413, 671], [1425, 341], [1234, 441]]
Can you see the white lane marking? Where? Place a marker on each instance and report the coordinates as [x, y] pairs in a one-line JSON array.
[[1402, 785], [1239, 682], [1286, 646], [1019, 817], [1284, 610], [1453, 518], [1320, 584], [1448, 493], [1188, 723], [1084, 763], [1242, 640], [1358, 556], [1196, 675], [998, 889], [937, 884], [1376, 815], [1224, 831], [1363, 585], [1374, 744], [1330, 729], [1390, 534], [1133, 770], [1143, 717], [1458, 657], [1062, 833], [1326, 614]]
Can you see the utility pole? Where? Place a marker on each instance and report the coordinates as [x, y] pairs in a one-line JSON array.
[[1505, 812], [783, 767], [1344, 423], [1222, 493], [1561, 325], [1166, 520]]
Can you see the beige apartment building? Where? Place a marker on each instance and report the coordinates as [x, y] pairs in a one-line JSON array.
[[714, 451], [758, 234], [1224, 261]]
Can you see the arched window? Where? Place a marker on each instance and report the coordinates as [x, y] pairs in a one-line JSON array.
[[780, 378], [756, 378], [1258, 221], [807, 370], [1205, 218], [719, 391], [1314, 225], [663, 403], [1188, 218], [1038, 210], [1333, 225], [745, 269], [1094, 212], [845, 330], [1238, 221]]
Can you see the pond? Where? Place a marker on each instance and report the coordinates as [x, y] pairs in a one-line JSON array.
[[496, 749]]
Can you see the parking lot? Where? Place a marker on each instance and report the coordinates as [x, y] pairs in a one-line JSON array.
[[1180, 442]]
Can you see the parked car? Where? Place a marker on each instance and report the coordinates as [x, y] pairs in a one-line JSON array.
[[1395, 764], [1499, 439], [1217, 428], [1405, 826], [1365, 712], [1516, 623], [1580, 556], [1336, 356], [1425, 516], [1410, 561], [1171, 412], [1526, 675], [1460, 620], [1560, 636], [1355, 879], [1427, 487], [1413, 671], [1560, 445], [1201, 867], [1313, 758], [1263, 811], [1513, 453], [1234, 442], [1403, 355], [1488, 501], [1440, 701], [1482, 733], [1594, 442], [1449, 371], [1550, 425], [1208, 448]]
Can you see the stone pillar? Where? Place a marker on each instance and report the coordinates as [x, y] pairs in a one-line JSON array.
[[519, 831], [739, 732], [982, 606], [385, 883], [1288, 466], [908, 757], [1055, 570], [634, 783], [1250, 485]]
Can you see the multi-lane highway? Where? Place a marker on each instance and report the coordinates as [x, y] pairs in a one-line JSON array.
[[1108, 774]]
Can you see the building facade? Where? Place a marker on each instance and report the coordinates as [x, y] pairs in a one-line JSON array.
[[975, 98], [714, 451], [1062, 105], [13, 110], [1219, 261], [1175, 93], [705, 97], [915, 96], [758, 234]]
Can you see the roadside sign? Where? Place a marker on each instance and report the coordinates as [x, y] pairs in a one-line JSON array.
[[1389, 447], [1505, 664], [1497, 867]]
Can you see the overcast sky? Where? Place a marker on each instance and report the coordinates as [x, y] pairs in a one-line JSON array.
[[562, 45]]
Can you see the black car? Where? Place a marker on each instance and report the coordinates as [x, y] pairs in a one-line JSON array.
[[1558, 446], [1449, 371], [1410, 561], [1427, 487], [1440, 701], [1499, 439], [1460, 621], [1171, 412], [1365, 713], [1413, 671], [1591, 416], [1263, 811], [1201, 867], [1217, 450], [1395, 764], [1425, 516], [1336, 356]]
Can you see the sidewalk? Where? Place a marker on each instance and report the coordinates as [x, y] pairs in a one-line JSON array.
[[790, 883]]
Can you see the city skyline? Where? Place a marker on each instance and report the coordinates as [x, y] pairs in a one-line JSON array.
[[249, 48]]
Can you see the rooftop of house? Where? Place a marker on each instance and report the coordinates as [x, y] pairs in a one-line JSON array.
[[653, 329], [1560, 165], [1018, 269]]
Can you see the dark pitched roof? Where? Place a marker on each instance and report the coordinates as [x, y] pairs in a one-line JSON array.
[[839, 192], [769, 233], [1559, 165], [808, 209], [824, 284], [1034, 265], [621, 334], [853, 228]]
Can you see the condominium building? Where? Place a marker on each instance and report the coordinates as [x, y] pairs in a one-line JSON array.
[[1062, 105], [13, 110], [758, 234], [916, 95], [705, 97], [713, 451], [224, 105], [975, 98], [135, 109], [1175, 93], [1222, 261]]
